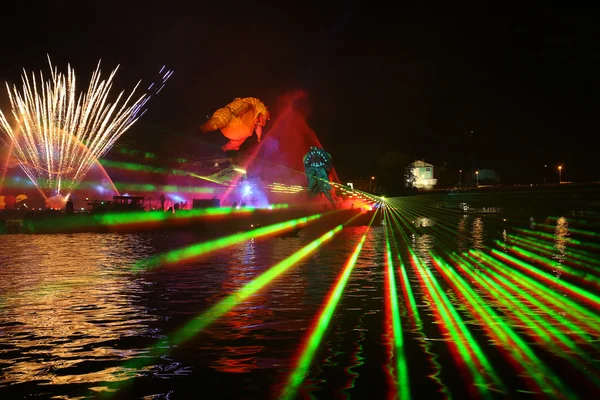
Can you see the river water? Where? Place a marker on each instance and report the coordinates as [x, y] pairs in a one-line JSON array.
[[77, 320]]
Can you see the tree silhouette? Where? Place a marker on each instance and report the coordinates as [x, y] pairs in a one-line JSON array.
[[393, 169]]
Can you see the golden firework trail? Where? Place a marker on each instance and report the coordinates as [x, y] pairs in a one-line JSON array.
[[58, 134]]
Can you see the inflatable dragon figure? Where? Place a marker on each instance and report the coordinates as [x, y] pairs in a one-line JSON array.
[[317, 167], [238, 120]]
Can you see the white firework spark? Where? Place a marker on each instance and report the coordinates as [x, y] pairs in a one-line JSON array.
[[57, 134]]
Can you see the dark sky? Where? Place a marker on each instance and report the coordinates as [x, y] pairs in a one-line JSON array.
[[411, 79]]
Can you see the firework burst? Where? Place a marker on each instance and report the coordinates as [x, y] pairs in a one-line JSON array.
[[58, 134]]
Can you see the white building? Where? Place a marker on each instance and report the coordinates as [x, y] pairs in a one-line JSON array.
[[423, 175]]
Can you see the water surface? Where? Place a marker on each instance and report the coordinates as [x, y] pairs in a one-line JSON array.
[[77, 321]]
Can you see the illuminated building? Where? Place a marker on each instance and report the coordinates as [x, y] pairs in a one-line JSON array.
[[422, 175]]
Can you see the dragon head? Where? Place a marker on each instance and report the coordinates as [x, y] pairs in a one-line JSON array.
[[262, 116]]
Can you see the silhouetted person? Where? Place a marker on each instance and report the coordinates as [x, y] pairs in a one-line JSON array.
[[234, 205], [176, 207], [162, 202], [243, 204]]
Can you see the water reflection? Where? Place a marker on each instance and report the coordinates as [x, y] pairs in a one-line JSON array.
[[423, 222], [65, 306], [477, 234], [472, 238], [244, 320], [462, 235], [561, 238], [422, 244]]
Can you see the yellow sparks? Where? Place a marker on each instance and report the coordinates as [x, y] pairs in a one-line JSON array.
[[57, 134]]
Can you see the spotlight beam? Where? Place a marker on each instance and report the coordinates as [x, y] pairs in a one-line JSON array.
[[402, 387], [199, 249]]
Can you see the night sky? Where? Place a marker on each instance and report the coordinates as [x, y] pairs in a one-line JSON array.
[[413, 80]]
